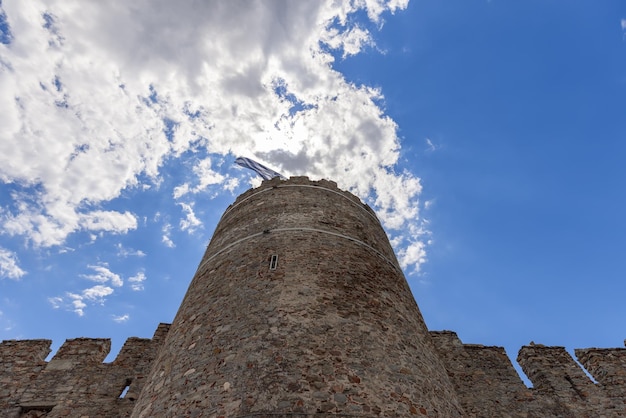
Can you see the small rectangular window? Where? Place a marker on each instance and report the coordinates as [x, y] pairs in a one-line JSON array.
[[273, 262], [124, 392]]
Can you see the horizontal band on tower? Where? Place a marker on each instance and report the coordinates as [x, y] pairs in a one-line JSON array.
[[321, 231]]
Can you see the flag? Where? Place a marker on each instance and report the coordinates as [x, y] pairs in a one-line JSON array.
[[260, 169]]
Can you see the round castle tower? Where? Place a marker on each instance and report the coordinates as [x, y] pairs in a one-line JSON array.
[[298, 309]]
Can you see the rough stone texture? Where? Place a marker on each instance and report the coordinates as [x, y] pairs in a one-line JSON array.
[[333, 330], [484, 378], [74, 382], [608, 367], [487, 385], [20, 363]]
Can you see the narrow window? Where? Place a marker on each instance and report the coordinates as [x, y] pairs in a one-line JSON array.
[[125, 390], [123, 394], [273, 262]]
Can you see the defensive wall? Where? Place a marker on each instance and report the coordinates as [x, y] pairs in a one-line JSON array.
[[75, 382], [299, 309], [488, 386]]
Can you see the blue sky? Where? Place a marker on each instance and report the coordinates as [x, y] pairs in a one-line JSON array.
[[488, 135]]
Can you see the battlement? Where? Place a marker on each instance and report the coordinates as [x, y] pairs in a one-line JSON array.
[[297, 181], [75, 381], [488, 385], [24, 351], [80, 352]]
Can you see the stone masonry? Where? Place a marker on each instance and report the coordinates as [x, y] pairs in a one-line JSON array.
[[300, 309], [74, 382]]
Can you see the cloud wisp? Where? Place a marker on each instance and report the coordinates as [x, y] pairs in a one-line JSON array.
[[92, 106], [9, 267], [107, 281]]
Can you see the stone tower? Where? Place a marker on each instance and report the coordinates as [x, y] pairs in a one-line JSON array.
[[298, 309]]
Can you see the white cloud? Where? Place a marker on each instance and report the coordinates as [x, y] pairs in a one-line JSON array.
[[181, 190], [77, 303], [63, 250], [351, 41], [412, 255], [128, 252], [102, 274], [9, 267], [136, 281], [430, 146], [121, 318], [108, 221], [59, 220], [97, 293], [231, 184], [623, 24], [410, 246], [206, 176], [93, 105], [165, 238], [56, 302], [190, 223]]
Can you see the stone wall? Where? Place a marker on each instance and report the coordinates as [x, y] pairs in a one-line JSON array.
[[74, 382], [488, 386]]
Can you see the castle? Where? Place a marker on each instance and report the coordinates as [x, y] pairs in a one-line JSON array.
[[300, 309]]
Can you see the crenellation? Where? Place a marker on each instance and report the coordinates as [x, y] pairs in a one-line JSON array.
[[488, 385], [160, 333], [80, 351], [20, 363], [484, 378], [608, 367], [74, 382], [132, 350], [24, 351], [552, 369], [555, 375]]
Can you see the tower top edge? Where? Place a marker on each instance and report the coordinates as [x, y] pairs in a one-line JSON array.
[[278, 182], [300, 180]]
